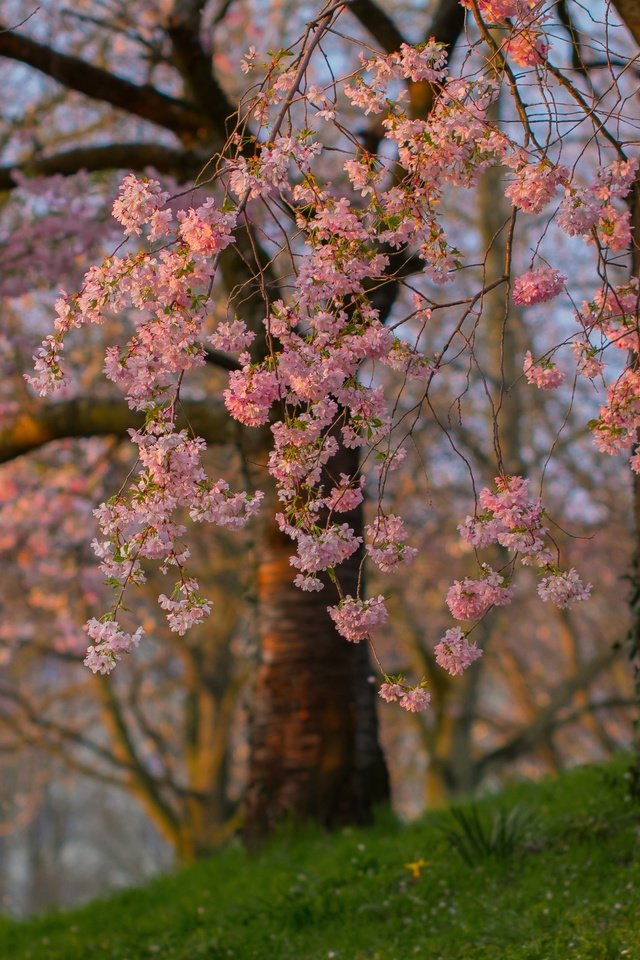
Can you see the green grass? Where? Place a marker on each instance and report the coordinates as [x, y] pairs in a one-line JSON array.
[[560, 882]]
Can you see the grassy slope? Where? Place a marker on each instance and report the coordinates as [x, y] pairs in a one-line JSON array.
[[573, 891]]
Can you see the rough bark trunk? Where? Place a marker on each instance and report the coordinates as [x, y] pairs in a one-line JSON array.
[[315, 754]]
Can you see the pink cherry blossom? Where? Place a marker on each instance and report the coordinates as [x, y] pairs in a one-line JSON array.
[[544, 375], [538, 286], [326, 549], [320, 373], [614, 228], [454, 652], [528, 48], [207, 229], [563, 589], [185, 609], [416, 700], [471, 599], [391, 692], [495, 10], [615, 429], [250, 394], [386, 546], [232, 336], [357, 619], [347, 495], [110, 643], [535, 185], [139, 201], [587, 361]]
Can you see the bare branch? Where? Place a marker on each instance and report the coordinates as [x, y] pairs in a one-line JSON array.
[[549, 716], [85, 417], [218, 359], [181, 164], [76, 74]]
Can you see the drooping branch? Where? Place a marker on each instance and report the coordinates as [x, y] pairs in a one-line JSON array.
[[88, 417], [73, 72]]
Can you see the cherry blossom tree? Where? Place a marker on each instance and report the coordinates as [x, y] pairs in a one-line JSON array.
[[312, 264]]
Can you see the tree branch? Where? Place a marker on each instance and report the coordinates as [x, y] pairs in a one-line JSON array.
[[76, 74], [84, 417], [548, 717], [380, 26], [184, 165], [447, 23], [148, 788], [219, 359], [195, 67]]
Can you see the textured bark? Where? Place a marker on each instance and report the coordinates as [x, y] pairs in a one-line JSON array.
[[315, 753]]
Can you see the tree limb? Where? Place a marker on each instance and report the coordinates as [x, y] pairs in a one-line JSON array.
[[547, 718], [76, 74], [380, 26], [194, 66], [219, 359], [85, 417], [184, 165]]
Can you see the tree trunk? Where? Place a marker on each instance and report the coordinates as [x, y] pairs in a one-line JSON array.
[[315, 754]]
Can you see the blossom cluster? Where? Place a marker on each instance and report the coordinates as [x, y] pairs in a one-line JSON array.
[[356, 619], [454, 652], [471, 599], [544, 374], [109, 642], [413, 699], [310, 385], [512, 518], [612, 316], [386, 546], [591, 212], [538, 286]]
